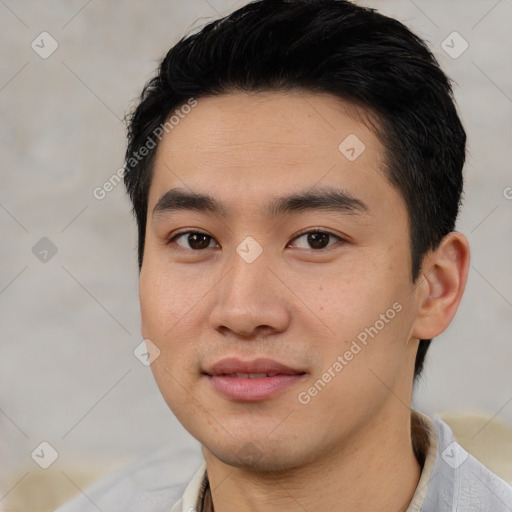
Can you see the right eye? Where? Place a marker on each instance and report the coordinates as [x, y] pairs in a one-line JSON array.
[[196, 240]]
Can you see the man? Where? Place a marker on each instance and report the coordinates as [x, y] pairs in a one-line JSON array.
[[296, 172]]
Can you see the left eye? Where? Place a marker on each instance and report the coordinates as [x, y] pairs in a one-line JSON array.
[[317, 239]]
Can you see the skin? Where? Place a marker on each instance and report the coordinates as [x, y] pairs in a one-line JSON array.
[[350, 447]]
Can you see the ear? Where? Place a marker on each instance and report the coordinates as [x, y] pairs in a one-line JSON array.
[[444, 275]]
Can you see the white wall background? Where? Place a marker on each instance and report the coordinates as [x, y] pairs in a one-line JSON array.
[[69, 326]]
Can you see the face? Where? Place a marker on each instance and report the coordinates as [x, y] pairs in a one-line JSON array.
[[312, 292]]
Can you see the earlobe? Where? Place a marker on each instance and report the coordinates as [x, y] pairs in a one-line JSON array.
[[445, 272]]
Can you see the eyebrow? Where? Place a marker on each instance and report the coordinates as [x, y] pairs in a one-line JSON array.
[[324, 199]]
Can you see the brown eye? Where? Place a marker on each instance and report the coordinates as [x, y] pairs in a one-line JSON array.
[[193, 240], [317, 239]]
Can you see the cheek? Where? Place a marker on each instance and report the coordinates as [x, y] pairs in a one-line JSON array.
[[166, 301], [360, 370], [352, 297], [368, 323], [169, 306]]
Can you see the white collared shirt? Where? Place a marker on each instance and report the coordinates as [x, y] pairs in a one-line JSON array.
[[451, 480]]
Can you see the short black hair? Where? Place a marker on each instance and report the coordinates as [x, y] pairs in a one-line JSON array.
[[324, 46]]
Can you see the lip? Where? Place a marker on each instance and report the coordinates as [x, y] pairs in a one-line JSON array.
[[260, 365], [222, 376]]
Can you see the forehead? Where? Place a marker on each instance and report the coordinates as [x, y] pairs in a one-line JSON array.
[[266, 144]]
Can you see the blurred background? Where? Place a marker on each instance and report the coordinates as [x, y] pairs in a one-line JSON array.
[[69, 316]]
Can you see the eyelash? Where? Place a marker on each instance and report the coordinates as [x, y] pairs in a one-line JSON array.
[[316, 230]]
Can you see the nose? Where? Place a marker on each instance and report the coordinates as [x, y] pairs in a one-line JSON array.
[[250, 300]]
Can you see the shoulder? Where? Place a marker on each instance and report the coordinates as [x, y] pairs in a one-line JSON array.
[[461, 482], [154, 483]]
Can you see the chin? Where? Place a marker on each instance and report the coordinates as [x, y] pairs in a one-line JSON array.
[[266, 459]]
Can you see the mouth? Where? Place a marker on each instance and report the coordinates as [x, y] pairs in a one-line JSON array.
[[250, 375], [252, 381], [255, 368]]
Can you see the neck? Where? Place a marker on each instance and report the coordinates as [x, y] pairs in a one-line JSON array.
[[375, 470]]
